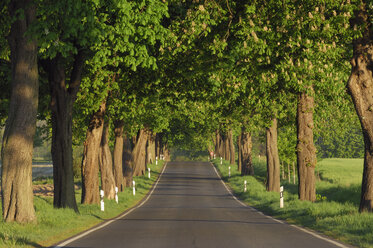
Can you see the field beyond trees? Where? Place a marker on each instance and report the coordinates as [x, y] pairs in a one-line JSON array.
[[335, 213]]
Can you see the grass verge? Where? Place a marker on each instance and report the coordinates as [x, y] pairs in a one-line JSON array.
[[334, 214], [54, 225]]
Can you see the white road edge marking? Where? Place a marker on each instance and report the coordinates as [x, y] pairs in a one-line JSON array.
[[111, 221], [279, 221]]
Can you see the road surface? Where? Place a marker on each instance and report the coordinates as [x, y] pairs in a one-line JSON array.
[[190, 207]]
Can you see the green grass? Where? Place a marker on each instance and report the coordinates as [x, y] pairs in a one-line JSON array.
[[336, 216], [54, 225]]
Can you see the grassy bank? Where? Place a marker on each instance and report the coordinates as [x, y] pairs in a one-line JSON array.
[[54, 225], [334, 214]]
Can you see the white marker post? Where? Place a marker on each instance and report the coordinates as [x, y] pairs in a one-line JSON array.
[[156, 160], [214, 156], [221, 160], [229, 173], [149, 173], [134, 188], [102, 200], [245, 188], [281, 196], [116, 194]]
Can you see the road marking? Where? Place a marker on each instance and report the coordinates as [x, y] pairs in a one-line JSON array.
[[279, 221], [111, 221]]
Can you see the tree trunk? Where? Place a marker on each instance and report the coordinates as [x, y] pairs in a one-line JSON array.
[[118, 155], [283, 170], [166, 153], [273, 161], [246, 154], [150, 149], [360, 87], [226, 147], [127, 157], [232, 155], [239, 142], [217, 143], [90, 164], [106, 165], [138, 161], [17, 147], [306, 151], [158, 145], [63, 96]]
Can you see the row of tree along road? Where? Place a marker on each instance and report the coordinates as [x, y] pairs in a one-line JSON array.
[[130, 79]]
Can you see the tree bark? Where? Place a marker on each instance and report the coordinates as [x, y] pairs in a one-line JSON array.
[[239, 142], [127, 157], [217, 143], [90, 164], [167, 156], [246, 154], [63, 96], [106, 165], [138, 161], [158, 144], [273, 161], [17, 145], [232, 155], [360, 87], [150, 148], [306, 151], [118, 155], [226, 147]]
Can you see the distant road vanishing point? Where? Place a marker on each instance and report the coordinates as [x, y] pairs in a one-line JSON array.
[[191, 207]]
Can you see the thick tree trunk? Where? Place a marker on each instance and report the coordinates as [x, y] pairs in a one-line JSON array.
[[306, 151], [138, 161], [360, 87], [90, 164], [158, 145], [106, 165], [217, 143], [246, 154], [63, 96], [226, 147], [127, 157], [232, 155], [150, 148], [17, 147], [167, 156], [239, 142], [273, 161], [118, 155]]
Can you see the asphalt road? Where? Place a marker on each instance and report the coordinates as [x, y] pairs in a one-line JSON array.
[[190, 207]]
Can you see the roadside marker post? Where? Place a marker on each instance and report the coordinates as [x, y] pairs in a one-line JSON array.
[[245, 188], [281, 196], [221, 160], [116, 194], [229, 173], [214, 156], [149, 172], [156, 160], [134, 189], [102, 200]]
